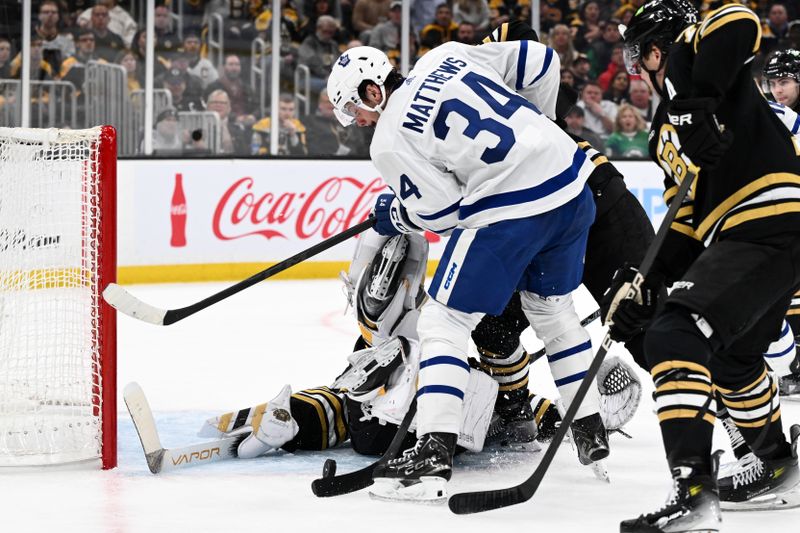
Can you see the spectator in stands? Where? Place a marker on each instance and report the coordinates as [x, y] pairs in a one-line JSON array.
[[466, 34], [554, 12], [127, 58], [600, 114], [587, 26], [367, 14], [41, 69], [167, 41], [617, 64], [508, 10], [475, 12], [602, 49], [575, 120], [774, 28], [560, 40], [58, 45], [5, 57], [642, 100], [386, 35], [326, 136], [107, 43], [167, 138], [73, 69], [441, 30], [629, 140], [618, 89], [288, 49], [176, 82], [160, 65], [234, 133], [320, 8], [120, 21], [198, 66], [291, 132], [319, 51], [580, 69], [194, 85], [567, 77], [243, 101]]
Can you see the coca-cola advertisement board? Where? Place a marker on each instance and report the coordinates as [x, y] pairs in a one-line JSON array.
[[245, 212]]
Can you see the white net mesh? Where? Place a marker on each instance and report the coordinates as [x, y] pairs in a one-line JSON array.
[[50, 382]]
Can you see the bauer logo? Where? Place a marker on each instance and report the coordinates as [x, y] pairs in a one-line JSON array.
[[202, 455]]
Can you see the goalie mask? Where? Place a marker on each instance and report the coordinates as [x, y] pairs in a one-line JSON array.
[[390, 288]]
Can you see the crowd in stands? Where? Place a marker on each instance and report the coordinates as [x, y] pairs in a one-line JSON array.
[[613, 111]]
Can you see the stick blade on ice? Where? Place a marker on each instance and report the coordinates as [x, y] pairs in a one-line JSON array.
[[124, 302], [478, 502], [145, 425]]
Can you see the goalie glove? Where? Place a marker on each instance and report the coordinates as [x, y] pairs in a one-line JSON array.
[[701, 137], [620, 392], [273, 429]]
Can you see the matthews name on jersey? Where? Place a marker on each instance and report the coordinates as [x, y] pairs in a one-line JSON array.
[[467, 139], [756, 188]]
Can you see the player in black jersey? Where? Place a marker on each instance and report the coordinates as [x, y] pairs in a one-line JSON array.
[[729, 256]]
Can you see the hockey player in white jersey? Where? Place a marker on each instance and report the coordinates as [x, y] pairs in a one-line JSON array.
[[467, 145]]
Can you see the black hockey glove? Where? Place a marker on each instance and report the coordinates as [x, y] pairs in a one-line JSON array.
[[702, 139], [627, 317]]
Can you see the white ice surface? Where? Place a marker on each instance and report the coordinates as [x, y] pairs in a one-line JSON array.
[[239, 353]]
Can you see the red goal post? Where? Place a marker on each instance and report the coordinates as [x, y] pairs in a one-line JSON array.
[[57, 335]]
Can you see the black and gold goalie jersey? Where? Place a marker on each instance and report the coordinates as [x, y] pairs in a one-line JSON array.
[[755, 190]]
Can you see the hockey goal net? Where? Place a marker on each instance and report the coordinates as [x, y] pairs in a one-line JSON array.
[[57, 336]]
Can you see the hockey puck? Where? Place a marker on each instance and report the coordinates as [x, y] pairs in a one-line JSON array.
[[329, 468]]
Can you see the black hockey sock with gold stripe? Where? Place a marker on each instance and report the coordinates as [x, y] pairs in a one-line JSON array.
[[685, 406], [510, 371], [756, 411]]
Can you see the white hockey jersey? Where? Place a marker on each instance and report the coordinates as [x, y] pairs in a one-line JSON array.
[[466, 140], [789, 118]]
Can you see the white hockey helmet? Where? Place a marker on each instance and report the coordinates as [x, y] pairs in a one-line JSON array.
[[351, 69]]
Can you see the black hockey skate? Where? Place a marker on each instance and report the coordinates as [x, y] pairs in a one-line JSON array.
[[512, 421], [753, 484], [420, 474], [693, 504], [591, 439]]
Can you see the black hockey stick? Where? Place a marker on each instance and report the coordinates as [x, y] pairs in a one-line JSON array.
[[332, 485], [125, 302], [476, 502]]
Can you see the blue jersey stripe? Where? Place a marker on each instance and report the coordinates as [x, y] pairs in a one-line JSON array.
[[445, 259], [537, 192], [444, 360], [570, 351], [791, 348], [570, 379], [796, 125], [548, 57], [785, 329], [443, 213], [440, 389], [521, 60]]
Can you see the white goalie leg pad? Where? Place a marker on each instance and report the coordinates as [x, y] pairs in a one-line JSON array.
[[620, 392], [392, 406], [477, 411], [781, 353], [568, 346], [444, 371], [274, 428], [367, 245], [370, 369]]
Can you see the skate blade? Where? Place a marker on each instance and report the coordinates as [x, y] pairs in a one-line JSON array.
[[600, 471], [768, 502], [430, 490]]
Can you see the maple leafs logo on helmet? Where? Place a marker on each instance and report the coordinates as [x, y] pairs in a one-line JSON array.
[[357, 65], [344, 60]]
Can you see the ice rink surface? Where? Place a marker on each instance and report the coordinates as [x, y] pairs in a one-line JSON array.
[[239, 353]]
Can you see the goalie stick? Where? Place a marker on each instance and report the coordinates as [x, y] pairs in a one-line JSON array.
[[123, 301], [159, 458], [476, 502], [332, 485]]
